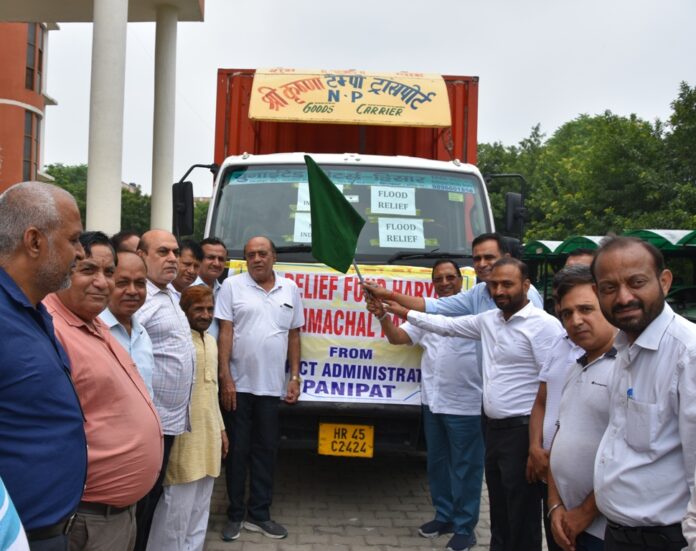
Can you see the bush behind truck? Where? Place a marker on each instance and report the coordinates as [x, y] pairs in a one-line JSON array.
[[401, 147]]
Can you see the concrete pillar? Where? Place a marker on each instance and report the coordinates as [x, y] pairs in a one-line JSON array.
[[106, 115], [163, 132]]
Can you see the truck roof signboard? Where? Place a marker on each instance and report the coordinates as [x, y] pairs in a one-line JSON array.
[[350, 97]]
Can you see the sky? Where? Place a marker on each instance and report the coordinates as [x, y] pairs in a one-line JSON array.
[[539, 62]]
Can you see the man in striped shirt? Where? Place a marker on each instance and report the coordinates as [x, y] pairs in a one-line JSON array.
[[174, 353]]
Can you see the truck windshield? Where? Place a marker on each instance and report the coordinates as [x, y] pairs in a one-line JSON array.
[[406, 209]]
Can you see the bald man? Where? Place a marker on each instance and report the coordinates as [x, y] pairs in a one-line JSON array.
[[43, 450], [174, 353]]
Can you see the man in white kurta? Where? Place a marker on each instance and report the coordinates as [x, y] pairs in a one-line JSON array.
[[451, 398], [181, 517]]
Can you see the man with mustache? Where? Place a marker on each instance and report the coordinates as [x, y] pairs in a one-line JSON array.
[[582, 414], [124, 436], [451, 398], [212, 267], [516, 340], [190, 258], [260, 316], [126, 299], [175, 356], [542, 423], [43, 455], [644, 469], [486, 250]]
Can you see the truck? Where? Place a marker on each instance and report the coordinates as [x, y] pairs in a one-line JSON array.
[[401, 147]]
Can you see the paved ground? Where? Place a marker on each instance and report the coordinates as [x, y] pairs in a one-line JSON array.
[[344, 505]]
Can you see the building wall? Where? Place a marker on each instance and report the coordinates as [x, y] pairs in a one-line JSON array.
[[22, 107]]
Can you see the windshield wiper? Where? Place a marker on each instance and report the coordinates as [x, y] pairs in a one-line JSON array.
[[294, 249], [406, 255]]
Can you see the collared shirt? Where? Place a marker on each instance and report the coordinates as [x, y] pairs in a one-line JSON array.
[[583, 418], [644, 470], [175, 360], [196, 454], [137, 344], [513, 352], [175, 294], [122, 426], [554, 373], [450, 375], [261, 322], [43, 450]]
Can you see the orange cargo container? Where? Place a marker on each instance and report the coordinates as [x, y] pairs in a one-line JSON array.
[[236, 133]]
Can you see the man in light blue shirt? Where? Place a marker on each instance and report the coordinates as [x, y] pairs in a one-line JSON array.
[[486, 249], [12, 536], [129, 295]]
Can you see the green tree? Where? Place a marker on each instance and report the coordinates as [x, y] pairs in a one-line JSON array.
[[72, 179], [135, 206], [135, 211], [523, 159], [596, 174]]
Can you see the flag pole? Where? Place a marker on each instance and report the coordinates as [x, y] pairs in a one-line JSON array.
[[360, 277]]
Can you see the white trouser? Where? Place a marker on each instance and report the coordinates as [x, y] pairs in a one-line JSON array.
[[181, 517]]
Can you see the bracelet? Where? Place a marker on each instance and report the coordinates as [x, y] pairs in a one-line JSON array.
[[380, 318], [552, 509]]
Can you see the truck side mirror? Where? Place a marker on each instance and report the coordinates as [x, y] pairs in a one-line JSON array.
[[182, 195], [514, 213]]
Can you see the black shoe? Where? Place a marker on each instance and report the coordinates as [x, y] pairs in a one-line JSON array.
[[231, 530], [268, 528], [435, 528], [460, 542]]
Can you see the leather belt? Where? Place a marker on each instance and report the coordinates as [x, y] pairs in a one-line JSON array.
[[508, 422], [649, 536], [102, 509], [61, 528]]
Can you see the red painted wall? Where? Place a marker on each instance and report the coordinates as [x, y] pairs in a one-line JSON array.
[[13, 55]]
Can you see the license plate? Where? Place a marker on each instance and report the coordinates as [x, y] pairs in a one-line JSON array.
[[346, 440]]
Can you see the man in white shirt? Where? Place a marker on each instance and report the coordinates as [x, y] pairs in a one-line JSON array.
[[516, 340], [644, 469], [542, 423], [211, 269], [260, 316], [451, 398], [582, 415]]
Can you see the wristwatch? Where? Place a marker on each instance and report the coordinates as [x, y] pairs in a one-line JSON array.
[[297, 379]]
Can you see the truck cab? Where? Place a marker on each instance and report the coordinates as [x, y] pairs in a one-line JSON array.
[[416, 210]]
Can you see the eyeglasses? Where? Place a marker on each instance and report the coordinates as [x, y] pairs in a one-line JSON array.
[[447, 278]]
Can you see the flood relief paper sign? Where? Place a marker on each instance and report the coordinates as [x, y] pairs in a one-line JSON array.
[[345, 355], [393, 200], [401, 233]]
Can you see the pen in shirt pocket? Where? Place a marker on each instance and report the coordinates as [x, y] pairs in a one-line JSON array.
[[287, 305]]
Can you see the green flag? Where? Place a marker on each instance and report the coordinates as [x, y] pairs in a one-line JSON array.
[[336, 225]]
